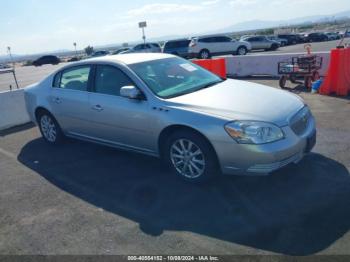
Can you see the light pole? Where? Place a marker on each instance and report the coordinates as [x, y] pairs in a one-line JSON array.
[[142, 25], [75, 48]]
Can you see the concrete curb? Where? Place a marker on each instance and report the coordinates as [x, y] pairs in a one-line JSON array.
[[12, 109]]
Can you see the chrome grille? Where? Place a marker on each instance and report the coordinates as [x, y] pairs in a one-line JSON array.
[[300, 121]]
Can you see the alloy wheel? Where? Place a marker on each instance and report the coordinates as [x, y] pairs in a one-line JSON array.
[[187, 158], [48, 128], [241, 51], [204, 55]]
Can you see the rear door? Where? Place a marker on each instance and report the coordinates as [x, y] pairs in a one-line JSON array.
[[226, 45], [69, 99]]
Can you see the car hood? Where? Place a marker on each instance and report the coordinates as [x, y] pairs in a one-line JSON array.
[[241, 100]]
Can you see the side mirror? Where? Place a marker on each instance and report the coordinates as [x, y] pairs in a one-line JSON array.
[[131, 92]]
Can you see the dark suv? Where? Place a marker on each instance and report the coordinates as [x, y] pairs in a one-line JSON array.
[[292, 39], [47, 59], [177, 47], [316, 37]]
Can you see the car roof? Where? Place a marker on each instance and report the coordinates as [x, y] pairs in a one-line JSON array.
[[178, 40], [209, 36], [129, 59]]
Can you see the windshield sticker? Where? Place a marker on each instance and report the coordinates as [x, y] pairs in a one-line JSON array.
[[188, 67]]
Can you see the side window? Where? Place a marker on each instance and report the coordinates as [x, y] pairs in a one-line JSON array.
[[223, 39], [75, 78], [109, 80], [185, 43], [205, 40]]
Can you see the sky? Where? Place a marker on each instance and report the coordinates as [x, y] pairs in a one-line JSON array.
[[34, 26]]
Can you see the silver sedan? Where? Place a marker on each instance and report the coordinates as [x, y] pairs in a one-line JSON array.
[[167, 107]]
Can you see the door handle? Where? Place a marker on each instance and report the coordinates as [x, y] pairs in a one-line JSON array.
[[57, 100], [97, 108]]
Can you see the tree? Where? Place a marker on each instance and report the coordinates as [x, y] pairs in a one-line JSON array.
[[89, 50]]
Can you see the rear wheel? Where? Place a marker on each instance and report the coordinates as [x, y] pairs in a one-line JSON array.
[[204, 54], [49, 128], [191, 157]]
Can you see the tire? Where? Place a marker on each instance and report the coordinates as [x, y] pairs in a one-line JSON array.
[[201, 159], [242, 50], [49, 128], [274, 47], [204, 54], [282, 82]]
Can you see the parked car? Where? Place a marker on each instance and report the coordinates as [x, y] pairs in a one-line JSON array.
[[120, 50], [144, 48], [281, 41], [316, 37], [261, 42], [100, 53], [74, 59], [207, 46], [165, 106], [344, 34], [332, 36], [178, 47], [292, 38], [4, 66], [47, 59]]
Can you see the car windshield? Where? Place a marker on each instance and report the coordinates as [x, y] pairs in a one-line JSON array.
[[173, 77]]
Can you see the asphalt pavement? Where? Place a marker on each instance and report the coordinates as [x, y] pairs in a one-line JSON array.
[[81, 198]]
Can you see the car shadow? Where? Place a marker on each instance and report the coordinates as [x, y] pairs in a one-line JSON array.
[[299, 210]]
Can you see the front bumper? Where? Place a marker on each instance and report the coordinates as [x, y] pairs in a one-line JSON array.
[[246, 159]]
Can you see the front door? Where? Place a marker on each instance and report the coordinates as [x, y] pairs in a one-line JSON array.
[[118, 120]]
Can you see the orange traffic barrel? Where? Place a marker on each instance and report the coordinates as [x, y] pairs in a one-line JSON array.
[[337, 80]]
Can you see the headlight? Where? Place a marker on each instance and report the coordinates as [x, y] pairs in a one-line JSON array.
[[254, 132]]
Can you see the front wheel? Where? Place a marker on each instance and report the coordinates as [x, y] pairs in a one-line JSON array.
[[191, 157], [49, 129], [242, 50], [274, 47]]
